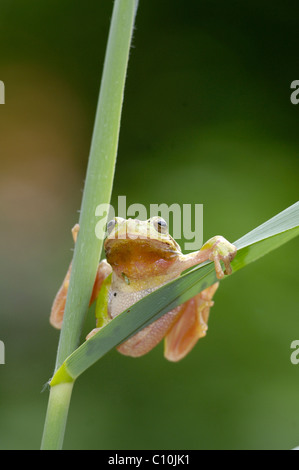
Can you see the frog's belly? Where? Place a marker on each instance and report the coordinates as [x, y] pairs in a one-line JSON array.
[[150, 336], [120, 301]]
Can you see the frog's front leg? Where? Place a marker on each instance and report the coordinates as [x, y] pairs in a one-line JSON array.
[[58, 306], [215, 249]]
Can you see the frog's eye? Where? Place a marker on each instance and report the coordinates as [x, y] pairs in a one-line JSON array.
[[160, 225], [111, 225]]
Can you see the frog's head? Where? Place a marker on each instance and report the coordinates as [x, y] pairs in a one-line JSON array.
[[140, 248]]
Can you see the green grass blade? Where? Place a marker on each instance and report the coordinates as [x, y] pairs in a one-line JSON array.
[[267, 237], [260, 241]]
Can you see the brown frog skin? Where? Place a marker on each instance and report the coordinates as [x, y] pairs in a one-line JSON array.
[[141, 256]]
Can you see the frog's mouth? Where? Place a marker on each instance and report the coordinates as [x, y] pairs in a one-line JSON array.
[[138, 256], [132, 242]]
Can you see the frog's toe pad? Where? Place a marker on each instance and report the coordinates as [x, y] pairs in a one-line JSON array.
[[225, 251]]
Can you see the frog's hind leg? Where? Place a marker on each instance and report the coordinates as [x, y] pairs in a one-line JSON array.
[[57, 311], [145, 340], [190, 326]]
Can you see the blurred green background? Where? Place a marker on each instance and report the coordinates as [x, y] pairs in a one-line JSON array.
[[207, 119]]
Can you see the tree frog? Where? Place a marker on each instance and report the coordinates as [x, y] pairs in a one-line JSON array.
[[140, 257]]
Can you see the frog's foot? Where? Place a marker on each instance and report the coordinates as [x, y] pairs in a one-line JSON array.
[[221, 250], [191, 325]]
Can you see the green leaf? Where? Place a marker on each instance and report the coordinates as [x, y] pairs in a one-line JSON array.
[[260, 241]]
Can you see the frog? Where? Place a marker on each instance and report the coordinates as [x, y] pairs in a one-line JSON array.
[[142, 256]]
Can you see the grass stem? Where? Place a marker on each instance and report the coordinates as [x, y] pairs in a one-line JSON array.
[[97, 190]]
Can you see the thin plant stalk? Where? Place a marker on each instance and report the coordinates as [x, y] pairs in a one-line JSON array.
[[97, 191]]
